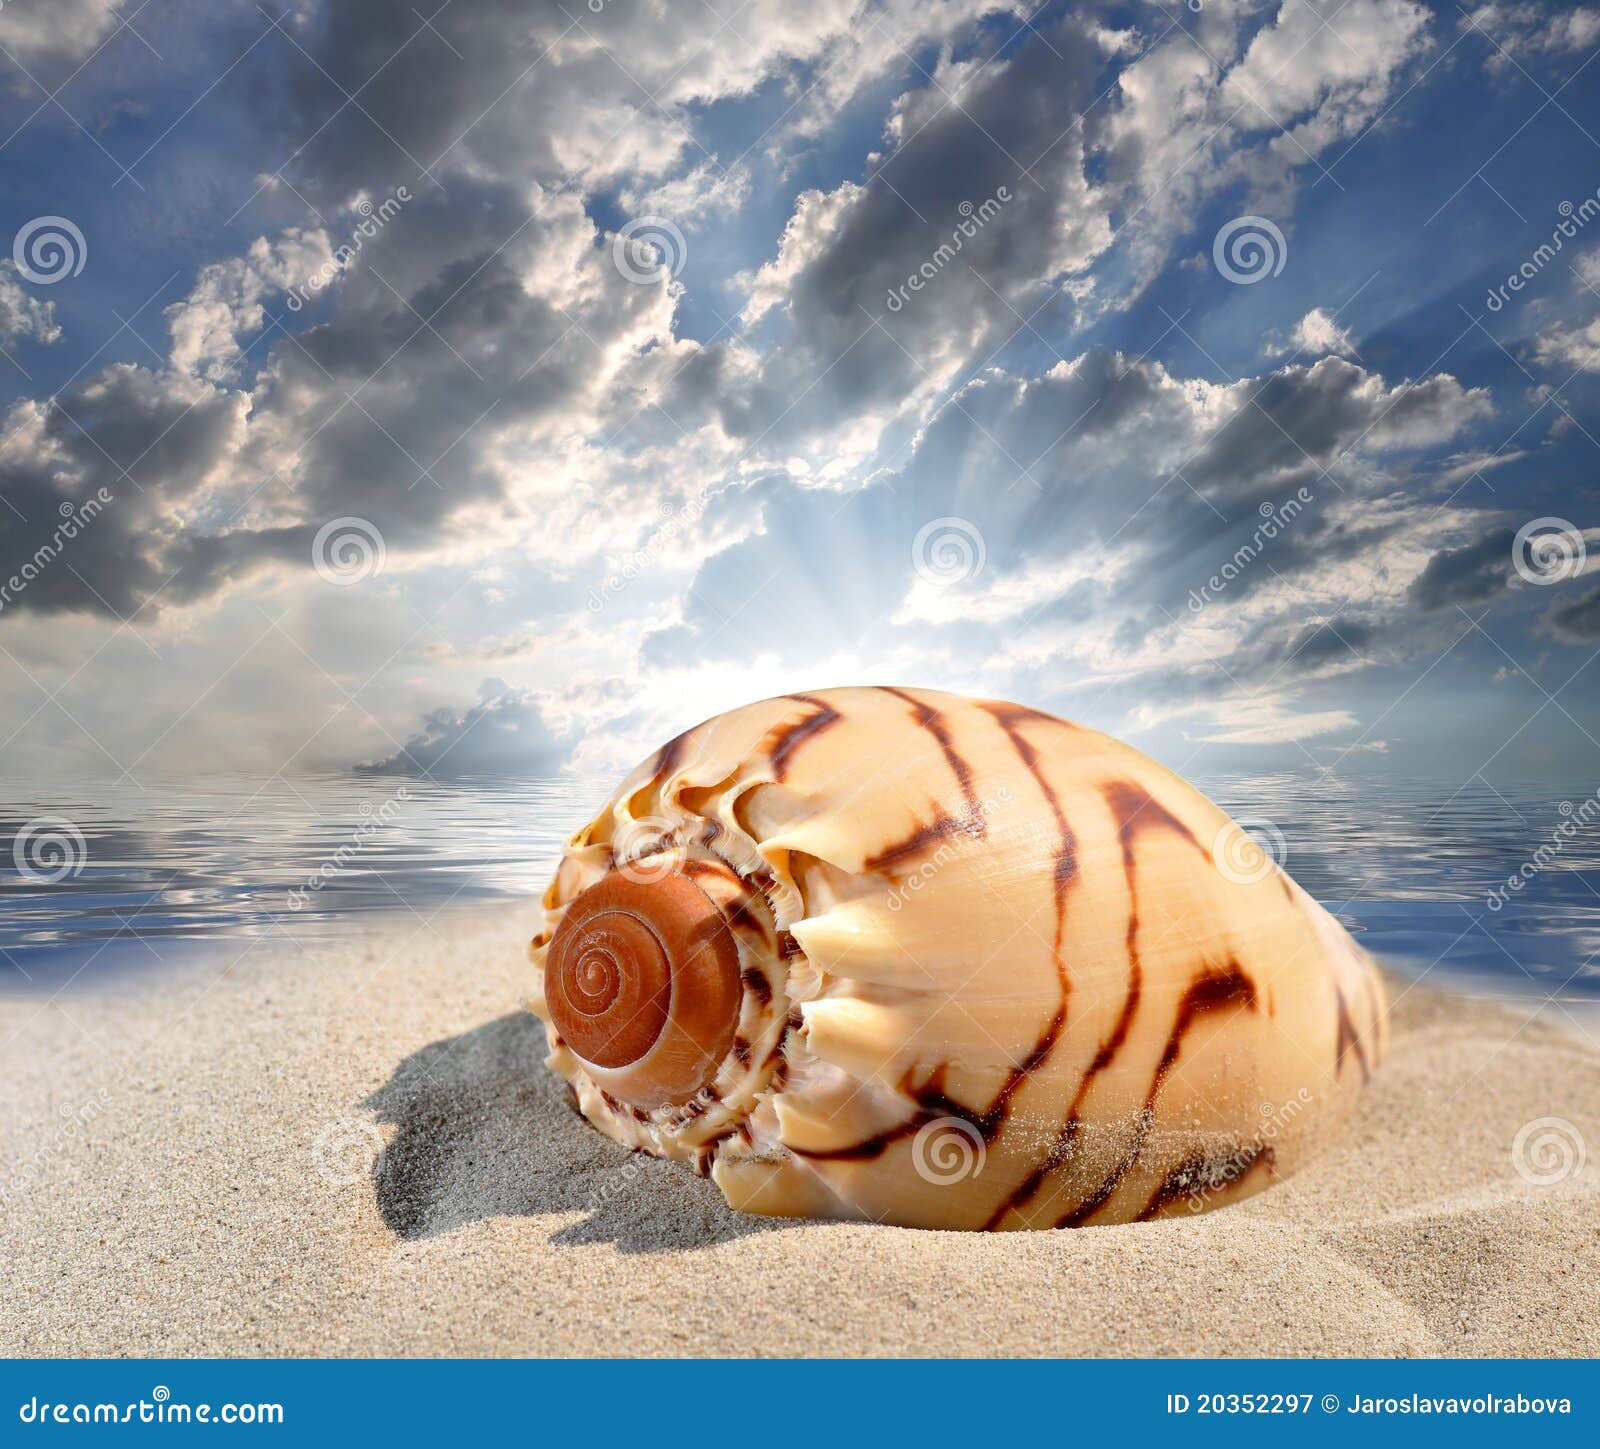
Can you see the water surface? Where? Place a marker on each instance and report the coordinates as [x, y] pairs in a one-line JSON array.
[[119, 877]]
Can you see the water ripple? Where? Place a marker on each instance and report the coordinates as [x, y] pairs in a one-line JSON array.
[[1422, 871]]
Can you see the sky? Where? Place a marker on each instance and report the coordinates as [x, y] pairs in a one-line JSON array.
[[492, 386]]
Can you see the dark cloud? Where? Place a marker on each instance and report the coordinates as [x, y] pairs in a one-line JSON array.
[[891, 283], [150, 442], [1321, 644], [1298, 420], [1468, 574], [504, 733], [1095, 460], [1576, 621]]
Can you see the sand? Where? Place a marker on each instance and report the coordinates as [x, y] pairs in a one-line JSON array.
[[188, 1168]]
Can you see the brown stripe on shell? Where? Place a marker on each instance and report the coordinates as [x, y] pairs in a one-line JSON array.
[[1195, 1176], [756, 983], [1066, 872], [1128, 804], [1227, 989], [783, 741], [942, 828], [932, 720], [1348, 1040], [670, 755]]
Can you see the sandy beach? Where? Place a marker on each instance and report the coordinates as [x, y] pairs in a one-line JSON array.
[[357, 1151]]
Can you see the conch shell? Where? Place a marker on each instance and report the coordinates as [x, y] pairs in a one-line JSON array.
[[896, 955]]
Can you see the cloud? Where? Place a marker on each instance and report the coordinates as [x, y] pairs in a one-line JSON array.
[[504, 733], [1317, 332], [1576, 346], [1527, 30], [919, 242], [22, 315], [1085, 512], [1576, 621], [695, 198], [1467, 574], [225, 303], [61, 31]]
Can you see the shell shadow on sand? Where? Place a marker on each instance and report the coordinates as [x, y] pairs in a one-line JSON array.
[[483, 1130]]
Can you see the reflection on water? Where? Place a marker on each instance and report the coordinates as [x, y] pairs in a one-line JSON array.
[[1420, 871], [118, 875], [110, 877]]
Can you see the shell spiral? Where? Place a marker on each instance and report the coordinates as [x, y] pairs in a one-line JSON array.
[[897, 955]]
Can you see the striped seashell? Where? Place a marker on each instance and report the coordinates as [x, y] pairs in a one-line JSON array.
[[896, 955]]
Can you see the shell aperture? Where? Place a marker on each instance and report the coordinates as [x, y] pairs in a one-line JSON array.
[[898, 955]]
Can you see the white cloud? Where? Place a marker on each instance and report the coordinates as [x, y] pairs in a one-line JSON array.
[[1575, 346], [1318, 333], [226, 302], [1522, 30], [22, 315], [60, 30]]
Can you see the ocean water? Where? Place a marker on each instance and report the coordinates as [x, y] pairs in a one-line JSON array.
[[118, 878]]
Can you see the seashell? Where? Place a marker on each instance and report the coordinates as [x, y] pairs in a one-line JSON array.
[[896, 955]]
